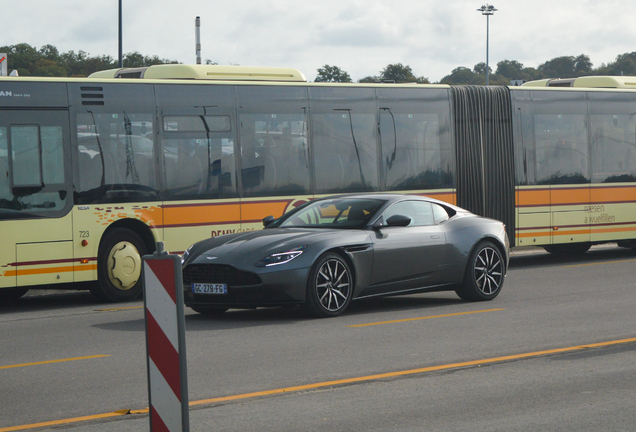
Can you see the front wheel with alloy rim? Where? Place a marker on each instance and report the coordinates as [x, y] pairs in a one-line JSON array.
[[119, 266], [330, 286], [485, 273]]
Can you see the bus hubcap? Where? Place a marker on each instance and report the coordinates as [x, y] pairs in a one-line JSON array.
[[124, 265]]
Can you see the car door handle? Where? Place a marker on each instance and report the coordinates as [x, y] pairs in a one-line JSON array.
[[434, 236]]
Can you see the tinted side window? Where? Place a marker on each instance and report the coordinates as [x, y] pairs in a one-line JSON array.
[[415, 138], [198, 141], [345, 143], [560, 138], [34, 163], [198, 157], [439, 213], [420, 212], [613, 137], [115, 133], [116, 156], [273, 130]]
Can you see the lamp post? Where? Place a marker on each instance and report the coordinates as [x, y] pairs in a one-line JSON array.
[[121, 59], [487, 10]]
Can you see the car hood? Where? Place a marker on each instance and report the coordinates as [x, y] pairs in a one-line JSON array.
[[251, 247]]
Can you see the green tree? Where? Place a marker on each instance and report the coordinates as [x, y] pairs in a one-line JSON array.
[[329, 73], [566, 67], [582, 65], [399, 73], [510, 69], [480, 69], [48, 68], [625, 64], [462, 75], [369, 79]]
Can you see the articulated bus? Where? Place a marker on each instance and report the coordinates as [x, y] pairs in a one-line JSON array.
[[94, 171]]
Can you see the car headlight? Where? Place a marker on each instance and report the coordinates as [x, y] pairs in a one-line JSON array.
[[185, 255], [281, 257]]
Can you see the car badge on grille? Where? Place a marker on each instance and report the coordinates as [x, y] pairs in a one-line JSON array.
[[211, 258]]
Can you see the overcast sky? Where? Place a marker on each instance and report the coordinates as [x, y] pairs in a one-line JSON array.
[[361, 37]]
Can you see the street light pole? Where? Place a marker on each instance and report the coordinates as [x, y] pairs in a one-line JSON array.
[[487, 10], [121, 59]]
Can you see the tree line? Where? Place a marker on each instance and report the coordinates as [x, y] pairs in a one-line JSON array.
[[48, 61], [507, 71]]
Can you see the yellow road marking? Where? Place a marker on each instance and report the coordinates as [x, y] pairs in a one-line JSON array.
[[409, 372], [53, 361], [118, 309], [599, 263], [64, 421], [335, 382], [423, 318]]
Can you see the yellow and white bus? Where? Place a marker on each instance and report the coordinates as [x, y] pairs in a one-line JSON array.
[[95, 171]]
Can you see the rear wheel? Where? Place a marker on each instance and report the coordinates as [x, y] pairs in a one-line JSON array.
[[119, 266], [330, 286], [484, 275]]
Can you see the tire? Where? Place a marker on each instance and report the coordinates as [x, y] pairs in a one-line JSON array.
[[568, 248], [330, 286], [9, 295], [119, 266], [484, 274], [209, 310]]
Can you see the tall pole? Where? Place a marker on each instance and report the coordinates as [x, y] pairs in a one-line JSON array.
[[121, 58], [197, 37], [487, 10]]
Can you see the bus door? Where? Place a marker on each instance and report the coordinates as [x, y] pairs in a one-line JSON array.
[[551, 168], [35, 197], [562, 162]]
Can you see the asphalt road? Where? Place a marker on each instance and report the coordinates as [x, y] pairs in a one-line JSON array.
[[556, 351]]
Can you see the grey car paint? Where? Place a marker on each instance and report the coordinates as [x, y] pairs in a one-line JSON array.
[[383, 259]]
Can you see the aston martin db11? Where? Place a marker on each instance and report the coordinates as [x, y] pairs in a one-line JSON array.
[[331, 251]]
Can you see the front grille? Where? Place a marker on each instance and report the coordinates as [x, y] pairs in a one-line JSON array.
[[218, 273]]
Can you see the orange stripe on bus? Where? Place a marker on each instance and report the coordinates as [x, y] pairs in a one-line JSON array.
[[565, 231], [624, 194], [259, 210], [534, 234], [204, 214], [24, 272], [534, 197], [613, 230], [573, 196], [570, 196]]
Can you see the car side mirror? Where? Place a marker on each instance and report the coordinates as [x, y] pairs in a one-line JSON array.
[[268, 220], [398, 220]]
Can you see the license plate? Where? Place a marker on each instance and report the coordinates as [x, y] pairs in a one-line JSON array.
[[203, 288]]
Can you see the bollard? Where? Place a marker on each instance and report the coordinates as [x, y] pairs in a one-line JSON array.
[[165, 342]]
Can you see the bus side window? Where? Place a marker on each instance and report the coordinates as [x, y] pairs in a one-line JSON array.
[[25, 156], [5, 191]]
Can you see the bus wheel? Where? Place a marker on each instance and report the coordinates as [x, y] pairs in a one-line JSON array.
[[567, 248], [9, 295], [119, 266]]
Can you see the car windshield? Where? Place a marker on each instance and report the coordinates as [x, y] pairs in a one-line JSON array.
[[333, 213]]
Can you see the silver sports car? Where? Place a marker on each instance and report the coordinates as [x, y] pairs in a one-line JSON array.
[[333, 250]]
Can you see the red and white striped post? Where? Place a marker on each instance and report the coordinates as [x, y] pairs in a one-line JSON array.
[[165, 342]]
